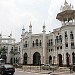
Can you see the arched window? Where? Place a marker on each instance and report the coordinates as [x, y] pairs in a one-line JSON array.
[[40, 42], [25, 43], [49, 42], [33, 43], [71, 35], [36, 42], [66, 35]]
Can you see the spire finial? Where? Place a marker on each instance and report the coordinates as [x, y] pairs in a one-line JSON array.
[[30, 27], [30, 23], [23, 28], [65, 2], [61, 8], [44, 23], [44, 30], [11, 34], [70, 4]]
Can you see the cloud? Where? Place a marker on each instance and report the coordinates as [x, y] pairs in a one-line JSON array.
[[54, 9], [16, 13]]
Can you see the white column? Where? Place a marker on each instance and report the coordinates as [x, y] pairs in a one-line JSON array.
[[30, 45], [69, 42], [54, 52], [64, 58], [9, 49], [63, 41], [70, 58], [63, 48], [44, 48], [21, 55]]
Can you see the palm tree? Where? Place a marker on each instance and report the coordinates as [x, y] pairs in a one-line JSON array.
[[3, 53]]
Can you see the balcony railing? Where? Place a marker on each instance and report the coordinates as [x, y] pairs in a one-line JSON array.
[[37, 45], [58, 41], [72, 47], [68, 23]]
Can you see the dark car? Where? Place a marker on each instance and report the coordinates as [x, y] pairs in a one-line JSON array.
[[7, 69]]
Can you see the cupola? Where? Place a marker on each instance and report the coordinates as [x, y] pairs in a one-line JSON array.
[[66, 6]]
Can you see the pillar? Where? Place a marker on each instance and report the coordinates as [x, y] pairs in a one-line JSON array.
[[69, 42], [44, 46]]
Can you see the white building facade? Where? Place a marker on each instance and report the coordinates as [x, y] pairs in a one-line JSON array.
[[10, 50], [57, 47]]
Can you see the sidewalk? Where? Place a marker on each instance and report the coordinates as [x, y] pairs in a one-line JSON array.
[[47, 72]]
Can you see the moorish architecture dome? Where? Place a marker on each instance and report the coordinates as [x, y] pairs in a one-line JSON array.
[[66, 6], [67, 15]]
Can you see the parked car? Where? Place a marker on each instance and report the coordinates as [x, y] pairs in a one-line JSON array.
[[6, 69], [53, 66], [45, 66]]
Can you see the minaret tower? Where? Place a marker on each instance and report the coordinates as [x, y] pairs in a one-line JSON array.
[[23, 30], [30, 28], [22, 44], [30, 42], [67, 14], [44, 45]]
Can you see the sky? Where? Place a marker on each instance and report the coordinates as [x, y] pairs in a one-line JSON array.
[[14, 14]]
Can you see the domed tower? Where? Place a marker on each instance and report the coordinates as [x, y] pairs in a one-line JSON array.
[[44, 45], [67, 30], [23, 31], [30, 28], [67, 15]]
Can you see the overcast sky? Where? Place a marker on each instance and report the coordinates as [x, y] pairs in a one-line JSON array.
[[16, 13]]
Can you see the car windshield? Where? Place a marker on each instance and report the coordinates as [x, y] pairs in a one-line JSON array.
[[8, 66]]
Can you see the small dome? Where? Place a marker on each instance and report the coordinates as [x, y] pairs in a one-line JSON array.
[[66, 6]]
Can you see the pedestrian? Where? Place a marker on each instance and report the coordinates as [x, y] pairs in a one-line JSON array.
[[70, 68]]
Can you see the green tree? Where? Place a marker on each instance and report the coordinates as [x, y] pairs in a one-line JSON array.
[[3, 53]]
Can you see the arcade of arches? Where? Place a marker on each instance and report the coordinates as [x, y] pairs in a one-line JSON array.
[[36, 59], [60, 59], [25, 57]]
